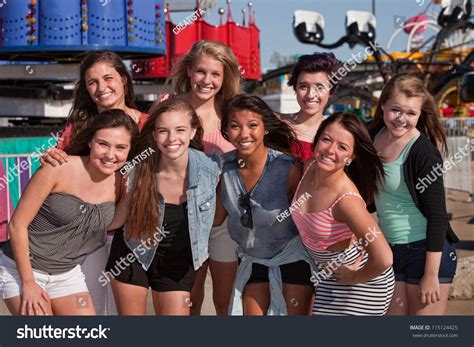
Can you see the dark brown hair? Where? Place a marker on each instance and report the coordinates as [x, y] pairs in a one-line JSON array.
[[84, 108], [428, 123], [113, 118], [366, 170], [144, 214], [312, 63], [280, 135]]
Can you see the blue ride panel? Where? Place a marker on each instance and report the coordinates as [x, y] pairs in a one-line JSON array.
[[55, 27], [145, 28], [107, 24], [60, 22], [19, 23]]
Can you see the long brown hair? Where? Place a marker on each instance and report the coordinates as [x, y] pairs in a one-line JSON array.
[[428, 123], [366, 170], [280, 135], [144, 213], [218, 51], [113, 118], [84, 108]]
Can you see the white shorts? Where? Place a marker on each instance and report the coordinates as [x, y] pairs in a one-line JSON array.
[[221, 246], [57, 286]]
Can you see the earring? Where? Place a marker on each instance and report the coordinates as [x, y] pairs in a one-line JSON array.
[[348, 161], [266, 132]]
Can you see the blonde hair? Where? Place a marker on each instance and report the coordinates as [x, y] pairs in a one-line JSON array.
[[218, 51]]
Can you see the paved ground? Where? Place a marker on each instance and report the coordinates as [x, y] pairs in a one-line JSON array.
[[462, 211]]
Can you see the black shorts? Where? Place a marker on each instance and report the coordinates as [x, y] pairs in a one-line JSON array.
[[165, 274], [409, 262], [293, 273]]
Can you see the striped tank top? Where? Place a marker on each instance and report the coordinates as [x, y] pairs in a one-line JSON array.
[[64, 231], [319, 230]]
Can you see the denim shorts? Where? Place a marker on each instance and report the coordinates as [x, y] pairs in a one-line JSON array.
[[409, 262]]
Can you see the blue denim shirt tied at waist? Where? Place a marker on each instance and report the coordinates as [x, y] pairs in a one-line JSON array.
[[293, 252]]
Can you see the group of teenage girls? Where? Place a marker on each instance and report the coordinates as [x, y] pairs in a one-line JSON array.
[[222, 169]]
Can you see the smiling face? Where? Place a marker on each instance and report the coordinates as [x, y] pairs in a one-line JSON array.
[[246, 131], [173, 133], [105, 86], [401, 114], [109, 149], [207, 76], [334, 147], [312, 93]]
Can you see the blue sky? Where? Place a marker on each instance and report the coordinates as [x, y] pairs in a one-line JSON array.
[[274, 18]]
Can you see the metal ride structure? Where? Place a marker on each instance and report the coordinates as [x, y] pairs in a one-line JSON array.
[[440, 60]]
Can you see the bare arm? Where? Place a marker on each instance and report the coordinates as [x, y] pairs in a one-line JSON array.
[[428, 289], [294, 177], [122, 205], [351, 210], [37, 190]]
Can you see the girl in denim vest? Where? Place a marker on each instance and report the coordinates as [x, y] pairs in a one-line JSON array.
[[258, 183], [172, 197]]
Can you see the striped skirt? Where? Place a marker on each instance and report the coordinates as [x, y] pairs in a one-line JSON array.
[[371, 298]]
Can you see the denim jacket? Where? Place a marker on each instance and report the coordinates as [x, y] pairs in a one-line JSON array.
[[203, 176]]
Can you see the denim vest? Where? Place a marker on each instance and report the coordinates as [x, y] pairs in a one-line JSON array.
[[203, 176], [268, 199]]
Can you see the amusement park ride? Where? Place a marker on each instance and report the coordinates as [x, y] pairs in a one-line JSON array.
[[42, 42], [445, 61]]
